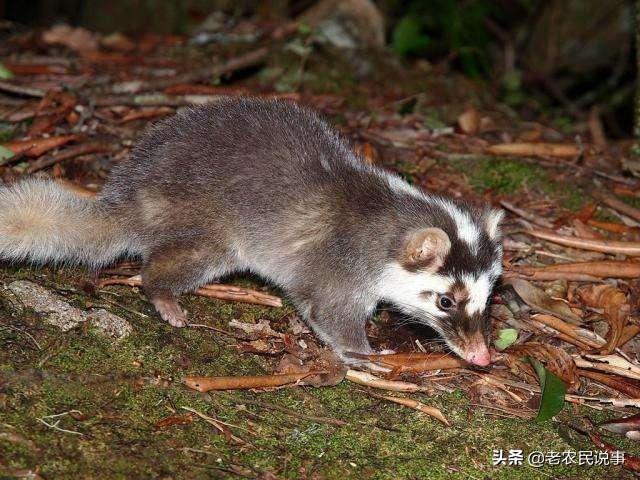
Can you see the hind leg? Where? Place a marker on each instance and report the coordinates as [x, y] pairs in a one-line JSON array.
[[172, 270]]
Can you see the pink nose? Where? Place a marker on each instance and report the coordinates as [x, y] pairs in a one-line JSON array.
[[479, 355]]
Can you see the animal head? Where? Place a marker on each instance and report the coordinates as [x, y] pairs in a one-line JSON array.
[[443, 277]]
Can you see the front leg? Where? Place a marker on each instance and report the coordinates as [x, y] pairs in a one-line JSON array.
[[343, 331]]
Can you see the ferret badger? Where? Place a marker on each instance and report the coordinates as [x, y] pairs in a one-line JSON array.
[[269, 187]]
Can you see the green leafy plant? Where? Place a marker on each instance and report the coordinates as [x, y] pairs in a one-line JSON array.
[[408, 37], [506, 337], [440, 28], [5, 154], [5, 73], [553, 392]]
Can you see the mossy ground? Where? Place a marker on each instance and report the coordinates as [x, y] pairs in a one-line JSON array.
[[119, 392], [504, 176]]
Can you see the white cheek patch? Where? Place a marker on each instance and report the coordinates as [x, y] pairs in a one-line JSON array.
[[406, 289], [479, 288]]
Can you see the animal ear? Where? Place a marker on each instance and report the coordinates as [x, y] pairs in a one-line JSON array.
[[425, 249], [492, 220]]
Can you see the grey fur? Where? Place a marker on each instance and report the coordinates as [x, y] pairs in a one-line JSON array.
[[266, 187]]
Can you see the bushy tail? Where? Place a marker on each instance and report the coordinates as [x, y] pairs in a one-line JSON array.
[[40, 221]]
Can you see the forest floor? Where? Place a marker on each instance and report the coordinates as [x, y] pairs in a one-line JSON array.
[[76, 402]]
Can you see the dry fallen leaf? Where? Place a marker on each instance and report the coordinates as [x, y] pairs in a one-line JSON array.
[[539, 300], [616, 310], [367, 152], [256, 330], [174, 420], [469, 121], [77, 39], [327, 370], [262, 346], [118, 42], [553, 358]]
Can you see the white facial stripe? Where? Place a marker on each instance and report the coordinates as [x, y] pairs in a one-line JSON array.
[[399, 185], [405, 289], [479, 289], [467, 231]]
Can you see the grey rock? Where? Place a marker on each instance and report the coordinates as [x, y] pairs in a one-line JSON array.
[[58, 312]]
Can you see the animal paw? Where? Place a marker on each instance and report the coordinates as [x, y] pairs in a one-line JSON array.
[[170, 311]]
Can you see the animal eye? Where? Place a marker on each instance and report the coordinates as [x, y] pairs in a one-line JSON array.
[[445, 302]]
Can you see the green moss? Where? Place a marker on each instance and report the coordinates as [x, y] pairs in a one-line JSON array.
[[7, 131], [507, 176], [503, 176]]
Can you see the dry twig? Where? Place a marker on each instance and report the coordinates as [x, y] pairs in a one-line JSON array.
[[218, 291], [604, 246], [204, 384]]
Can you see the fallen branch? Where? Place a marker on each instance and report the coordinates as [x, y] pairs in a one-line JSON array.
[[619, 206], [614, 402], [204, 384], [611, 381], [421, 407], [222, 427], [369, 380], [582, 335], [66, 154], [598, 269], [630, 462], [603, 246], [155, 100], [246, 60], [545, 276], [37, 146], [608, 363], [145, 114], [47, 420], [218, 291], [569, 150], [239, 294], [577, 399], [416, 362], [20, 90], [535, 219]]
